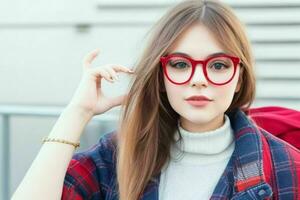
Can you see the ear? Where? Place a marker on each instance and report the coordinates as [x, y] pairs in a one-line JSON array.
[[239, 84]]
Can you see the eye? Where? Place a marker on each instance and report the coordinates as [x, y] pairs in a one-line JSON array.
[[219, 66], [180, 65]]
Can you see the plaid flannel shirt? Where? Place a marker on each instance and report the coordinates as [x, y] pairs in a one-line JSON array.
[[92, 173]]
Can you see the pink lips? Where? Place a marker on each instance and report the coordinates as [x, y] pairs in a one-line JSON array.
[[198, 100]]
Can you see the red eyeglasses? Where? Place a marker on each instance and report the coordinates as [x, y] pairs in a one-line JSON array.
[[218, 70]]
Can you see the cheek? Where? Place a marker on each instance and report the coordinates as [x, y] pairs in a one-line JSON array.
[[173, 92], [224, 94]]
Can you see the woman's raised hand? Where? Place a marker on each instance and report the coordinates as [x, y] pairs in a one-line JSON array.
[[89, 96]]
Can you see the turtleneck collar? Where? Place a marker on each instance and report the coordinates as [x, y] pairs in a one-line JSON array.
[[204, 147]]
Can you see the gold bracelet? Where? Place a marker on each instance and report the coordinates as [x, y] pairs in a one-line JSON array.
[[61, 141]]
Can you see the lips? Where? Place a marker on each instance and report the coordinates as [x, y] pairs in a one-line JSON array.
[[198, 101], [198, 98]]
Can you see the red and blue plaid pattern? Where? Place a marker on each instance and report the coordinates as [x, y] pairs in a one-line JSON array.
[[262, 166]]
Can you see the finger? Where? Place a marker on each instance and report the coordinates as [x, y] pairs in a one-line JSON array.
[[102, 72], [107, 76], [90, 57], [112, 72], [112, 69], [119, 68]]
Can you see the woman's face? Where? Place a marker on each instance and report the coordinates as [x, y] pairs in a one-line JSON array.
[[199, 43]]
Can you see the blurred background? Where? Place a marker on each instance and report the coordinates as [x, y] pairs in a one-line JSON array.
[[42, 44]]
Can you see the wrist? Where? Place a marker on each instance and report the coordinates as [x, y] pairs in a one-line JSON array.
[[70, 124], [72, 109]]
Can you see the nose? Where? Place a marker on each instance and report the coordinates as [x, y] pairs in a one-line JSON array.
[[198, 77]]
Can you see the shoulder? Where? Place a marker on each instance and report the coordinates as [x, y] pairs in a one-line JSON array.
[[285, 164], [90, 172], [280, 147]]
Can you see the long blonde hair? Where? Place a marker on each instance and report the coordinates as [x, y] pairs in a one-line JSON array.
[[148, 122]]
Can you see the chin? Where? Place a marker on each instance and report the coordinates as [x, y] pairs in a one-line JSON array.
[[200, 119]]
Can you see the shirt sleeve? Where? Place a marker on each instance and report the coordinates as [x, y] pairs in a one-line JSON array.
[[81, 180]]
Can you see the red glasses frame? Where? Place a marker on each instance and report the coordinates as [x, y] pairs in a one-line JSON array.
[[164, 60]]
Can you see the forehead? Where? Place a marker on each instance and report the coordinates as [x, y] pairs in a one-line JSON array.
[[196, 41]]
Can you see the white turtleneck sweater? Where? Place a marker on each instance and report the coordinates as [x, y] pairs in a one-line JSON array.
[[197, 164]]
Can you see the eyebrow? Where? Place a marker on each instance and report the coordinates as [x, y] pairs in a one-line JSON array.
[[185, 54]]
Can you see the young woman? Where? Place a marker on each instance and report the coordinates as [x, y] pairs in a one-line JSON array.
[[184, 131]]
